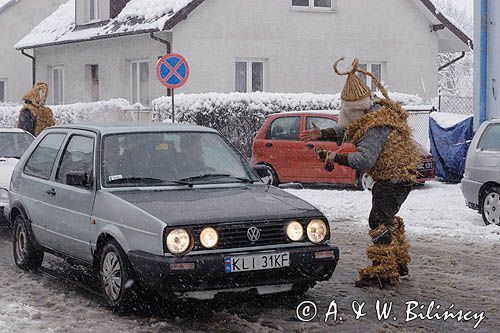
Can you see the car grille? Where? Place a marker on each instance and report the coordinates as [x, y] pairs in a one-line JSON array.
[[234, 235]]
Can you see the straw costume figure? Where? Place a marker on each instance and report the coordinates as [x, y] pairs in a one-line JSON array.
[[379, 130], [35, 116]]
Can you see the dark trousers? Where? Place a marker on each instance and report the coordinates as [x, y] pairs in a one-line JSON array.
[[387, 198]]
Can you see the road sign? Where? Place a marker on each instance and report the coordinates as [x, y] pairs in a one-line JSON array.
[[172, 71]]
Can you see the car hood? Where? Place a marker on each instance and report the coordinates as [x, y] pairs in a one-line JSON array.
[[7, 166], [213, 205]]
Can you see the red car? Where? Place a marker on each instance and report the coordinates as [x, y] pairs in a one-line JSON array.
[[278, 149]]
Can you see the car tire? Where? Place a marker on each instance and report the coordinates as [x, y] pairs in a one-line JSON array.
[[490, 206], [364, 181], [272, 177], [116, 277], [27, 255]]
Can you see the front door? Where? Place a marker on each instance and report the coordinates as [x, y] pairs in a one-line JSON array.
[[341, 174], [283, 148], [37, 185], [72, 205]]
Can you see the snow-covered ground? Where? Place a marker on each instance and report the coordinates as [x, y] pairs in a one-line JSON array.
[[435, 210], [454, 256]]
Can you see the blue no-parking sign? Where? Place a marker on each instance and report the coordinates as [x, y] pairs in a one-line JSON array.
[[172, 71]]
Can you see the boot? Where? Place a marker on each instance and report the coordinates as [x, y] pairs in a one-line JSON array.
[[401, 246]]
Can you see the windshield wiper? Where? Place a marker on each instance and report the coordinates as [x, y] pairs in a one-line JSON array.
[[216, 176], [146, 180], [16, 157]]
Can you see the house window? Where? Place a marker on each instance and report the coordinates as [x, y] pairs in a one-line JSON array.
[[93, 6], [140, 82], [92, 79], [56, 81], [250, 76], [313, 4], [3, 90], [376, 69]]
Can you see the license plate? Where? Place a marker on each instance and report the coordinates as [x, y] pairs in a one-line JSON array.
[[256, 262], [425, 166]]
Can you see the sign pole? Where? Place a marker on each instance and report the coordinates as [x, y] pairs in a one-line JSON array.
[[173, 105]]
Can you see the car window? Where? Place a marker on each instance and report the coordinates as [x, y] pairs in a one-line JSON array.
[[286, 128], [14, 144], [42, 159], [78, 156], [490, 140], [321, 122], [148, 159]]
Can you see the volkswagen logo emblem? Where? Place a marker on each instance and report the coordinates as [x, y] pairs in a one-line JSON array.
[[253, 234]]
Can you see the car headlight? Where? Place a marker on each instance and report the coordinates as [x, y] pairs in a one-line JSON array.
[[178, 241], [294, 231], [4, 195], [209, 237], [317, 231]]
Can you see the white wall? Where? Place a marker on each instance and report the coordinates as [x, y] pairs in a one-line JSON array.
[[302, 46], [112, 55], [16, 22]]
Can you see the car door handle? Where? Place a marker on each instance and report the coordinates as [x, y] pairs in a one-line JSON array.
[[269, 144], [51, 192], [310, 146]]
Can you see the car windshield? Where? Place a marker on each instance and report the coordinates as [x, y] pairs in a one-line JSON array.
[[14, 144], [171, 158]]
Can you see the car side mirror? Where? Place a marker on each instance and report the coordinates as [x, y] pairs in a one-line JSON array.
[[77, 178]]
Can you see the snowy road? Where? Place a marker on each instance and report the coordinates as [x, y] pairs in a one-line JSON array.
[[455, 261]]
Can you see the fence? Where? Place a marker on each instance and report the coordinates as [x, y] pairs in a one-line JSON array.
[[419, 122], [456, 104]]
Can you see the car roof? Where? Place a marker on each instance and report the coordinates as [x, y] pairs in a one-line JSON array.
[[308, 112], [12, 130], [113, 128]]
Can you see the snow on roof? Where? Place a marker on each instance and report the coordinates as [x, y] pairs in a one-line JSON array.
[[447, 120], [137, 16]]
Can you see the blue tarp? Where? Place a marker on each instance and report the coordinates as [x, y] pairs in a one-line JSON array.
[[449, 147]]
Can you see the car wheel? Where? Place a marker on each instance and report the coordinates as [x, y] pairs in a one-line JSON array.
[[364, 181], [116, 277], [491, 206], [270, 177], [26, 254]]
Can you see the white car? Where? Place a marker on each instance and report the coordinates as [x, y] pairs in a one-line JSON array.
[[13, 143], [481, 182]]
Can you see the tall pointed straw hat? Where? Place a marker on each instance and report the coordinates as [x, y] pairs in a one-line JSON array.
[[355, 89]]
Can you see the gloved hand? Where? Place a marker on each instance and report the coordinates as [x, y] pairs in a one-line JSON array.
[[311, 135], [330, 159]]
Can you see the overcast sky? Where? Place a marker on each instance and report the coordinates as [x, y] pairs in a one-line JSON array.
[[469, 4]]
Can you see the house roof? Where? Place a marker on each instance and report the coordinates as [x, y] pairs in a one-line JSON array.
[[138, 16], [144, 16], [451, 37]]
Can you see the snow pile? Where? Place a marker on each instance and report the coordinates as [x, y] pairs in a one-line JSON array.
[[137, 15], [113, 110], [238, 116], [436, 210], [447, 120]]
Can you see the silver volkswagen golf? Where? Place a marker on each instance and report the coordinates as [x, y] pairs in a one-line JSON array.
[[481, 182], [174, 209]]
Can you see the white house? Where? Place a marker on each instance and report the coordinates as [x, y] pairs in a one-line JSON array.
[[17, 18], [101, 49]]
